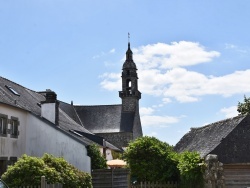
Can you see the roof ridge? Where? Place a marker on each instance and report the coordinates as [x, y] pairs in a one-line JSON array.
[[207, 125], [97, 105]]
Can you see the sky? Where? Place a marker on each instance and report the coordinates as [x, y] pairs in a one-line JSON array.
[[193, 57]]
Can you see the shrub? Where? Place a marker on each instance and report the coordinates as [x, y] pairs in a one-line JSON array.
[[191, 168], [27, 171], [97, 159], [151, 160]]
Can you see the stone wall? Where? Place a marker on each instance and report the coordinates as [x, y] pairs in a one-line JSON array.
[[214, 174]]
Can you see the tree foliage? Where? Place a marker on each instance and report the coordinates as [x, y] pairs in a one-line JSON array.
[[151, 160], [97, 159], [244, 107], [191, 168], [27, 171]]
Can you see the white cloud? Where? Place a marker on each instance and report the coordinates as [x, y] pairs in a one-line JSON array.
[[166, 100], [112, 51], [161, 73], [111, 81], [162, 121], [230, 46], [230, 111], [242, 50], [146, 111], [176, 54]]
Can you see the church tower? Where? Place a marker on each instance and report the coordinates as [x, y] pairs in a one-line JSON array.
[[130, 94]]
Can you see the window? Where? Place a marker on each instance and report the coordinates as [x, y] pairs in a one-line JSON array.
[[14, 127], [12, 90], [3, 165], [3, 125], [128, 86]]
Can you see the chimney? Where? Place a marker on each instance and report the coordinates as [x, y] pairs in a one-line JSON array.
[[49, 107]]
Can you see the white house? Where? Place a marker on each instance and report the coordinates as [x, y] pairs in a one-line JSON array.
[[31, 123]]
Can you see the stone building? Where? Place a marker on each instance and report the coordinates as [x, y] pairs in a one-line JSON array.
[[35, 123], [120, 123], [229, 140]]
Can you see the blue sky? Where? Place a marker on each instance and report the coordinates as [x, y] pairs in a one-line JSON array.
[[192, 56]]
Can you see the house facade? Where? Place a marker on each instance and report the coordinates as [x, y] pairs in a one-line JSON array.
[[23, 132]]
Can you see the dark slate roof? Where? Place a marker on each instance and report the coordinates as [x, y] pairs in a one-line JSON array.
[[70, 111], [207, 138], [127, 121], [67, 123], [99, 140], [25, 98], [101, 118], [29, 100]]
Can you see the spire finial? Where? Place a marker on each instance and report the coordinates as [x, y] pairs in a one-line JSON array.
[[128, 37]]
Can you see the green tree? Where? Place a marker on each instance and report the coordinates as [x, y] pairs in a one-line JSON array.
[[244, 108], [191, 167], [151, 160], [97, 159], [27, 171]]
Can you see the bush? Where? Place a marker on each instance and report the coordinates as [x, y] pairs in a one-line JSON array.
[[191, 168], [151, 160], [27, 171], [97, 159]]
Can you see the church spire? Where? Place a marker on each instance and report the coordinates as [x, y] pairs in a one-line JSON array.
[[129, 53], [130, 93]]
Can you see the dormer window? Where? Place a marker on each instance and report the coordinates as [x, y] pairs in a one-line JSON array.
[[12, 90]]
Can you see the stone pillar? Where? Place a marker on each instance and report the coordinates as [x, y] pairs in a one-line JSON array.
[[214, 174]]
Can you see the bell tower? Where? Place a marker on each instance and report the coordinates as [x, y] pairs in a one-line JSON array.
[[130, 94]]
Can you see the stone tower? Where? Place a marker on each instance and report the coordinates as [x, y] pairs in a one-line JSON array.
[[130, 94]]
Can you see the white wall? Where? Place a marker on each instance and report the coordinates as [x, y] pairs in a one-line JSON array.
[[43, 138], [14, 147], [48, 111], [36, 138]]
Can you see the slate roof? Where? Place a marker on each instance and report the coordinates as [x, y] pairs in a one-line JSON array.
[[127, 121], [26, 98], [205, 139], [100, 118], [70, 111], [18, 96]]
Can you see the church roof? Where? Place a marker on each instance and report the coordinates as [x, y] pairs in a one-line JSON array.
[[205, 139], [127, 121], [100, 118]]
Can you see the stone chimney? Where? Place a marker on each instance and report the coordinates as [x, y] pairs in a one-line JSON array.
[[49, 107]]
